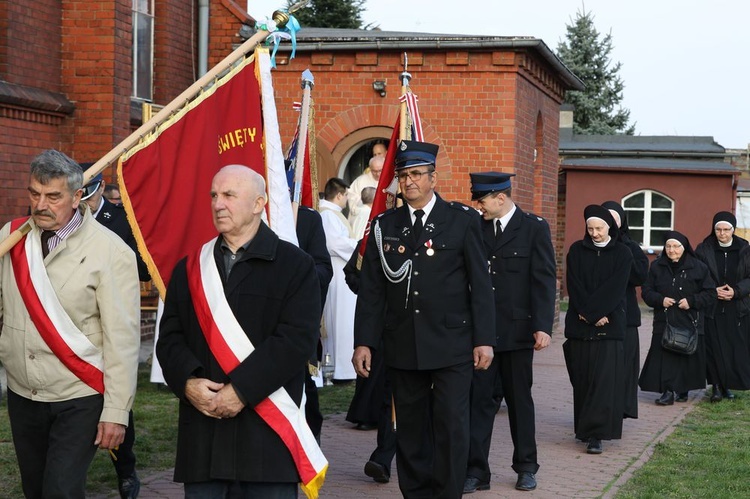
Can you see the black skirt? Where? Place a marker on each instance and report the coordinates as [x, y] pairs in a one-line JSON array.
[[665, 370], [596, 370]]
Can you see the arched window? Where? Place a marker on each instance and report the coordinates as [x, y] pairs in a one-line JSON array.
[[650, 216]]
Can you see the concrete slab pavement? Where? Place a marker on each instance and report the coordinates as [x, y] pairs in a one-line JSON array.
[[566, 470]]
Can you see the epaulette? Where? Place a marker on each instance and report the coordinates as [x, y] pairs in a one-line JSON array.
[[461, 207], [386, 213], [303, 207], [532, 216]]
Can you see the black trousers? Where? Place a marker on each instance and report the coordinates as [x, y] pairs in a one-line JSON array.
[[386, 440], [514, 370], [54, 444], [123, 458], [432, 412]]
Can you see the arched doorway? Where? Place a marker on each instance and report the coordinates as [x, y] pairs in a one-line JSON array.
[[353, 152], [356, 160]]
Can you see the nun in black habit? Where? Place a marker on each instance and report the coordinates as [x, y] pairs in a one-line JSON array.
[[597, 272], [679, 288], [631, 343], [728, 327]]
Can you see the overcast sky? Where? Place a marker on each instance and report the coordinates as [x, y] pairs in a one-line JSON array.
[[685, 64]]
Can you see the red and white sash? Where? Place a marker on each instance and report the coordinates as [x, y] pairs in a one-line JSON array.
[[230, 346], [54, 324]]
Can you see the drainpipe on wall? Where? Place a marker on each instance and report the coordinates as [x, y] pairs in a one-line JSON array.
[[202, 37]]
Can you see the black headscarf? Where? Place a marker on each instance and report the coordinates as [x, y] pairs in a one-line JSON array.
[[615, 206], [723, 216], [598, 211], [673, 234]]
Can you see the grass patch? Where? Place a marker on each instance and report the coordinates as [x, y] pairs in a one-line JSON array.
[[155, 413], [706, 456]]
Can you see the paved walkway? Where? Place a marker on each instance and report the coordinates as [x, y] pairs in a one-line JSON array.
[[566, 469]]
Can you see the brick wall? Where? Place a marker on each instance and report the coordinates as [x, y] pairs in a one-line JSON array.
[[83, 50], [486, 110], [30, 43]]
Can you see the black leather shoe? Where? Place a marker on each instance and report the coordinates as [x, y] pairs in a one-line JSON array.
[[526, 481], [716, 394], [727, 394], [681, 397], [473, 484], [129, 487], [365, 427], [667, 398], [594, 446], [377, 472]]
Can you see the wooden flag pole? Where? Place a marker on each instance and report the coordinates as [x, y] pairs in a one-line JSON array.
[[308, 81], [403, 135], [280, 17]]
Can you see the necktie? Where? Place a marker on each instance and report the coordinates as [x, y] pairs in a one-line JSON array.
[[46, 235], [498, 229], [418, 214]]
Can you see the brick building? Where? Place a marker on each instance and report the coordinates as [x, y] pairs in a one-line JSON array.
[[67, 77], [663, 183], [489, 102]]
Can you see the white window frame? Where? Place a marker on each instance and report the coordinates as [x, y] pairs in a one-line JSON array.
[[137, 76], [648, 209]]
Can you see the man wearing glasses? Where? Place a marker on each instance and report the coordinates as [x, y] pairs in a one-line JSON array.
[[426, 290]]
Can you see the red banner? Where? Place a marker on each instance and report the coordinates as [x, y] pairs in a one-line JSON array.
[[166, 182]]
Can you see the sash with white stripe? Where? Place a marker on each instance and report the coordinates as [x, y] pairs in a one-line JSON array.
[[230, 346], [54, 324]]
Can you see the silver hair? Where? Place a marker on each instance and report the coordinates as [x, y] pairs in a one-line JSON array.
[[52, 164]]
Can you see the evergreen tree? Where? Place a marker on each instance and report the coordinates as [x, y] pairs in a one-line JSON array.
[[597, 107], [330, 13]]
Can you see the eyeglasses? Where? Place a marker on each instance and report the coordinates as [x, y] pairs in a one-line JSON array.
[[414, 176], [672, 247]]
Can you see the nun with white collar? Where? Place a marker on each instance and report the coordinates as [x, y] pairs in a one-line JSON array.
[[728, 328], [680, 289], [597, 273]]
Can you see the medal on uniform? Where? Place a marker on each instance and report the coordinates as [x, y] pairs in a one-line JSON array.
[[429, 251], [401, 249]]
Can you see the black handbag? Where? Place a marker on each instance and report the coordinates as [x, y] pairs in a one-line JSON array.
[[680, 338]]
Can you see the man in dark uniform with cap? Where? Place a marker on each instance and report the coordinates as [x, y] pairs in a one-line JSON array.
[[522, 267], [113, 217], [426, 291]]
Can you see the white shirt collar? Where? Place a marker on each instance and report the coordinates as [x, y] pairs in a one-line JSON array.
[[505, 219], [101, 203], [427, 209]]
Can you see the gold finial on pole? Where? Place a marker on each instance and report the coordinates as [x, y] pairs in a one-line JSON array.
[[281, 17]]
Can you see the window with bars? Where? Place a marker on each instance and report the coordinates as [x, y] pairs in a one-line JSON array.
[[143, 49], [650, 217]]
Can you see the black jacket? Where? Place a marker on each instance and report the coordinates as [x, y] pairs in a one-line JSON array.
[[522, 269], [706, 252], [435, 318], [596, 279], [113, 217], [274, 294], [690, 279], [312, 240], [638, 275]]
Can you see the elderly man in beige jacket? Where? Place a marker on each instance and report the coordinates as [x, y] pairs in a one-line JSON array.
[[69, 304]]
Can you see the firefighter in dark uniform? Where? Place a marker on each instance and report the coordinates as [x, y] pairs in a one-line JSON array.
[[113, 217], [425, 290], [522, 268]]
